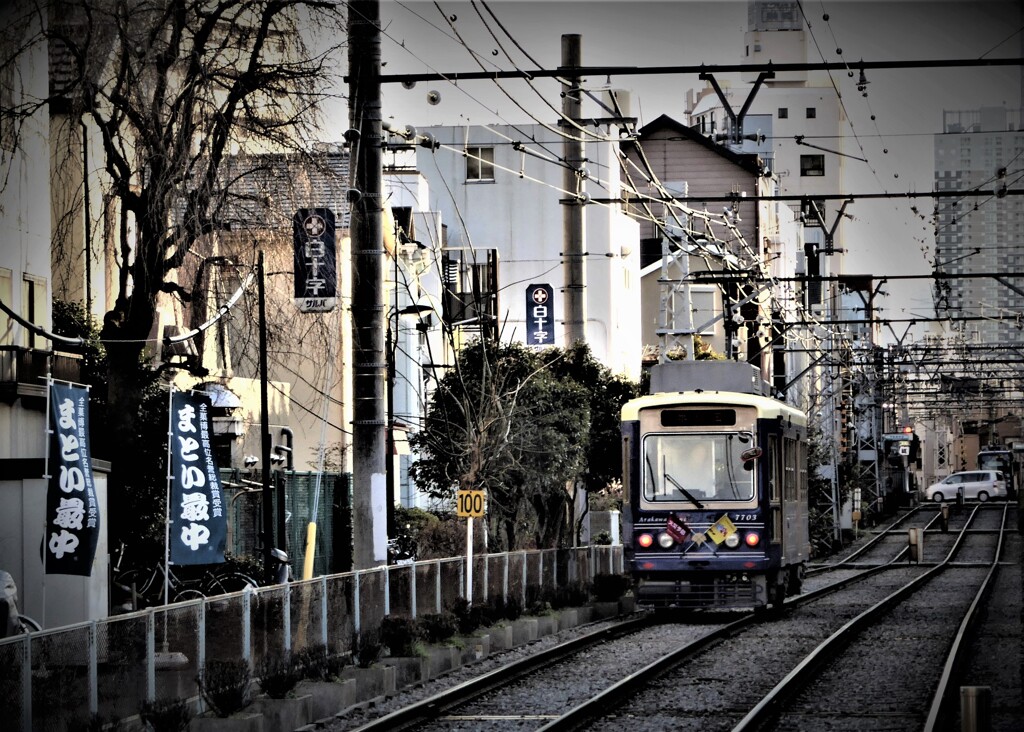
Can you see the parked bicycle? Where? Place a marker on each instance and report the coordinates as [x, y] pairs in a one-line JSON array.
[[137, 588], [142, 588]]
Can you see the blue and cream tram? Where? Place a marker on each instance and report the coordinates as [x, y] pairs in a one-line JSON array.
[[715, 495]]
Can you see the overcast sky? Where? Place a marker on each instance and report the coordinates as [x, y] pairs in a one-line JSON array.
[[907, 105]]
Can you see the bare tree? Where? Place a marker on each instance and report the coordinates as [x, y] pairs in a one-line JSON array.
[[184, 98], [501, 422]]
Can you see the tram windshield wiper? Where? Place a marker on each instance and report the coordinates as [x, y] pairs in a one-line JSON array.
[[682, 490]]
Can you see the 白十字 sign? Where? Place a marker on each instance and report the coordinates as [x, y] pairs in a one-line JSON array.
[[316, 260], [540, 321]]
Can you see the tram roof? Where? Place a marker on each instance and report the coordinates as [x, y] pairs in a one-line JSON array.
[[766, 407]]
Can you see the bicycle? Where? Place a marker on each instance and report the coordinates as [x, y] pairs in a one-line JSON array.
[[224, 580], [145, 588], [27, 625]]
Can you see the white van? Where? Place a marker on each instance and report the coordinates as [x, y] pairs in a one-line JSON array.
[[978, 485]]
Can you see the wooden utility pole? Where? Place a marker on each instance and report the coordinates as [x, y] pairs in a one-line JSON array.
[[369, 364], [574, 152]]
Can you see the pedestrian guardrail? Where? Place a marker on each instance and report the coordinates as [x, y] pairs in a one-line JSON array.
[[59, 677]]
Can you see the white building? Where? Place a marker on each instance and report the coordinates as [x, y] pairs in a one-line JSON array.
[[498, 192], [791, 117], [27, 356]]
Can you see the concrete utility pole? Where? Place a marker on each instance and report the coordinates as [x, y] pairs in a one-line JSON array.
[[369, 365], [574, 152]]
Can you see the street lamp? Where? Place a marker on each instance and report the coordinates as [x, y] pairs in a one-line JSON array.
[[390, 347]]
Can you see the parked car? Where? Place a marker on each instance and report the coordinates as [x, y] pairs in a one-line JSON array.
[[978, 485]]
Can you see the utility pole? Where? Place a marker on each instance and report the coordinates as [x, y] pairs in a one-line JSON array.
[[573, 181], [369, 364], [574, 152], [267, 492]]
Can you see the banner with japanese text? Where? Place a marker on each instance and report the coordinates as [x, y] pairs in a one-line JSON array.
[[72, 511], [198, 524], [540, 319], [316, 260]]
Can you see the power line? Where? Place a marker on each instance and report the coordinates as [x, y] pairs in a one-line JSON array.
[[733, 198], [528, 74]]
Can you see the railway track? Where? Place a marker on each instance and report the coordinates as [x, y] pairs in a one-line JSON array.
[[939, 604], [749, 671]]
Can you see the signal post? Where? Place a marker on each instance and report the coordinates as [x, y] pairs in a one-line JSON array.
[[470, 505]]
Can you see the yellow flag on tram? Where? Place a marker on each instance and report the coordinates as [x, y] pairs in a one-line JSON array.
[[721, 529]]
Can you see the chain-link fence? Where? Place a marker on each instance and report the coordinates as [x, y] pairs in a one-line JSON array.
[[57, 678], [333, 515]]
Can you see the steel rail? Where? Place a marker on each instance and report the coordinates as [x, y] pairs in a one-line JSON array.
[[767, 710], [582, 715], [940, 699], [870, 544], [433, 707]]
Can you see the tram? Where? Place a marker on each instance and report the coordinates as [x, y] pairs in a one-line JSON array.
[[715, 489]]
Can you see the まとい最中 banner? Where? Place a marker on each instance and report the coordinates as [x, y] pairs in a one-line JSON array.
[[198, 526], [72, 512]]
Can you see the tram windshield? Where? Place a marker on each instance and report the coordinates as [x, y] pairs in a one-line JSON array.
[[698, 468]]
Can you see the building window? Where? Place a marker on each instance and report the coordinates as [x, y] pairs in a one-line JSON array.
[[479, 163], [470, 297], [812, 165], [783, 112], [33, 305], [703, 308], [7, 119], [812, 113], [6, 324]]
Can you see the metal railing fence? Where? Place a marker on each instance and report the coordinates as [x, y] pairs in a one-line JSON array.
[[108, 668]]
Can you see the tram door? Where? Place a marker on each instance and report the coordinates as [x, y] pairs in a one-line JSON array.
[[791, 499], [775, 487]]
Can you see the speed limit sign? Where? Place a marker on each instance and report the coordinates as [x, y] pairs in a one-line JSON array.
[[470, 504]]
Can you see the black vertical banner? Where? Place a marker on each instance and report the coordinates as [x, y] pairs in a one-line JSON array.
[[72, 512], [540, 318], [198, 530], [316, 260]]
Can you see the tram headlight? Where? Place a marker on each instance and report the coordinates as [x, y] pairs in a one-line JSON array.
[[665, 541], [732, 541], [645, 540], [752, 539]]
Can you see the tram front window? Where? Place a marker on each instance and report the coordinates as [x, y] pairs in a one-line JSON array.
[[697, 468]]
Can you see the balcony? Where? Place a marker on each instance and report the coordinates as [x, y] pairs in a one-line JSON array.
[[23, 372]]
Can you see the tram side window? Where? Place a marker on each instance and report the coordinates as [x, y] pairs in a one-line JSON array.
[[801, 472], [789, 486], [774, 477], [775, 486]]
